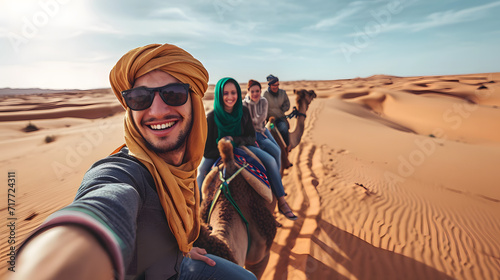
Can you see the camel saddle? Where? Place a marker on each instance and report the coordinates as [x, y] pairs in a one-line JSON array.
[[254, 172]]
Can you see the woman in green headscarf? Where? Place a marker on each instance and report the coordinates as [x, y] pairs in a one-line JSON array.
[[231, 120]]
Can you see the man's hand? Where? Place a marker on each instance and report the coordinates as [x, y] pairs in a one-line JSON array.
[[199, 254], [64, 252]]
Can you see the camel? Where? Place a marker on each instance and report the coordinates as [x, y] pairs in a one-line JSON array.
[[227, 234], [303, 99]]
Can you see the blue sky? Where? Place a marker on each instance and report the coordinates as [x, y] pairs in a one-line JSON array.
[[74, 43]]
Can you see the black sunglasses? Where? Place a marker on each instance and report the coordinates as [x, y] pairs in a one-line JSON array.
[[141, 98]]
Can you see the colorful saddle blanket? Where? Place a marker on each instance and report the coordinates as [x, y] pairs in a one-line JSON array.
[[253, 166]]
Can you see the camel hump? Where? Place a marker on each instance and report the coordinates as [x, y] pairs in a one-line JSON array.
[[227, 157]]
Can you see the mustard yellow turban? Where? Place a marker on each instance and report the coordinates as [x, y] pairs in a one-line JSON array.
[[176, 185]]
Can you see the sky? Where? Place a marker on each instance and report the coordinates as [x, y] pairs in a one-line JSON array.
[[73, 44]]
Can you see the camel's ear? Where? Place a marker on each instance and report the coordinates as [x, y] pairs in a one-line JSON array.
[[312, 93], [294, 91]]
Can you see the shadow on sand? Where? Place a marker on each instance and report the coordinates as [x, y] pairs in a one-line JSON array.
[[357, 259]]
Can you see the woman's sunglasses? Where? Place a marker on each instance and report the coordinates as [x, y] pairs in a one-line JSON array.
[[141, 98]]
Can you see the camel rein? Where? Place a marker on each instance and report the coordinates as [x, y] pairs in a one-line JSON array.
[[224, 188], [295, 113]]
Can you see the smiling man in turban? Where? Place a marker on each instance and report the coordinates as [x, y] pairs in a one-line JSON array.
[[136, 213]]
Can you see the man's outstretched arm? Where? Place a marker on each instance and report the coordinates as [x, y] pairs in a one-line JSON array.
[[63, 252]]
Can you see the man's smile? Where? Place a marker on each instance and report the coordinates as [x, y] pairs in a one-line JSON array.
[[161, 126]]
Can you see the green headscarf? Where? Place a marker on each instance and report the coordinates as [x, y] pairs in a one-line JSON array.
[[228, 124]]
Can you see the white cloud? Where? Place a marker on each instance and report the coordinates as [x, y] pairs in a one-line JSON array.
[[444, 18], [343, 14], [175, 13], [272, 51], [85, 38], [453, 17], [433, 20]]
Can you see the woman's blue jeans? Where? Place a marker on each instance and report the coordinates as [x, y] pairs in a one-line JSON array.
[[282, 126], [268, 144], [223, 269], [272, 170]]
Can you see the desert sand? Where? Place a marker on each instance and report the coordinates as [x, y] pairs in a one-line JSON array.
[[395, 177]]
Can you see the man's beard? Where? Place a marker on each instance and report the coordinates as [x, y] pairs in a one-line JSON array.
[[274, 93], [181, 140]]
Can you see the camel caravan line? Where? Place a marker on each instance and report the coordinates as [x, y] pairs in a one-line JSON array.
[[303, 99], [237, 210]]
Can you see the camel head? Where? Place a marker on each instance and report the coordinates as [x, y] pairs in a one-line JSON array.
[[304, 97]]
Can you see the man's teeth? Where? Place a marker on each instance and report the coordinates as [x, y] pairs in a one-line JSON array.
[[162, 126]]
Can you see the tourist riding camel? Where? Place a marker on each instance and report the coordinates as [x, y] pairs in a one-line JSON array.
[[231, 120], [278, 105]]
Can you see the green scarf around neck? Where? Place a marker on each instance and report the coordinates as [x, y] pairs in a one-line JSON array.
[[228, 124]]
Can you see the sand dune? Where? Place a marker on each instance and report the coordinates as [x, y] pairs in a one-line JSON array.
[[390, 188], [395, 177], [91, 104]]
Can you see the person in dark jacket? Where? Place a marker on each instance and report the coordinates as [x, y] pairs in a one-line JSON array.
[[278, 103]]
